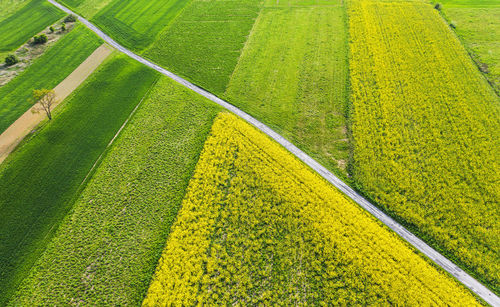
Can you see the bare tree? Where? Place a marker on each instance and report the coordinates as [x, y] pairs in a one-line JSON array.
[[43, 100]]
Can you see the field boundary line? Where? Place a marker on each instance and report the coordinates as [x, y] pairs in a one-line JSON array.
[[443, 262]]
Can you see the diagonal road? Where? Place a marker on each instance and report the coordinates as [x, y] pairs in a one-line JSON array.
[[471, 283]]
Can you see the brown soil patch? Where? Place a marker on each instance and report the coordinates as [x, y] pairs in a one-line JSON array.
[[11, 137]]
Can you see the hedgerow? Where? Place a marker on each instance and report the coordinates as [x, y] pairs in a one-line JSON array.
[[259, 227]]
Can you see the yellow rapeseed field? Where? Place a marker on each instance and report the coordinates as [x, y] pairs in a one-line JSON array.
[[426, 130], [258, 226]]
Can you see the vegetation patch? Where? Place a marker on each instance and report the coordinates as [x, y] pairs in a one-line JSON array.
[[135, 24], [425, 130], [258, 227], [204, 43], [292, 75], [22, 24], [45, 72], [40, 180]]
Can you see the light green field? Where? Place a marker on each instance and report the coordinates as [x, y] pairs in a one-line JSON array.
[[25, 22], [478, 25], [292, 75], [204, 43], [8, 7], [119, 225]]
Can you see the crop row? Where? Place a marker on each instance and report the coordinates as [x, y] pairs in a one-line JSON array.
[[425, 130], [257, 226]]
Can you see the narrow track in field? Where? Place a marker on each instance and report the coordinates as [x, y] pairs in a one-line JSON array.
[[443, 262]]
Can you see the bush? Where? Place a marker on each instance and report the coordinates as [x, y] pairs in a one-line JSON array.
[[70, 18], [63, 27], [438, 6], [40, 39], [11, 59], [51, 29]]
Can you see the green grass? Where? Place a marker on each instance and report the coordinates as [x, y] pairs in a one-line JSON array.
[[292, 75], [86, 8], [46, 72], [118, 227], [30, 19], [40, 179], [135, 24], [478, 26], [203, 44], [8, 7]]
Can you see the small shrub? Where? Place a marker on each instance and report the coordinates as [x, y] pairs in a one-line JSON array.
[[70, 18], [453, 26], [51, 29], [11, 59], [438, 6], [40, 39], [63, 27]]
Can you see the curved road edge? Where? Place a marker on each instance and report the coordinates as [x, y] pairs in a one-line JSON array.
[[443, 262]]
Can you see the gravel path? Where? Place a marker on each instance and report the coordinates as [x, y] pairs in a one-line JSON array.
[[16, 132], [439, 259]]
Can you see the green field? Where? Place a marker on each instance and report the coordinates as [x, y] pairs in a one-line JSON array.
[[46, 72], [478, 25], [86, 8], [22, 24], [204, 43], [425, 127], [9, 7], [135, 24], [293, 75], [40, 179], [127, 207]]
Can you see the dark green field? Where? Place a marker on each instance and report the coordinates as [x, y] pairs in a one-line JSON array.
[[26, 22], [204, 43], [39, 181], [135, 24], [46, 72]]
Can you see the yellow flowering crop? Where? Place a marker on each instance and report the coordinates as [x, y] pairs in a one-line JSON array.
[[258, 226], [426, 130]]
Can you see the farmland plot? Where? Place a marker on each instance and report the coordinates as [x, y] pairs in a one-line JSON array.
[[8, 7], [204, 43], [259, 227], [22, 24], [425, 130], [39, 181], [45, 72], [136, 23], [292, 75], [478, 25], [86, 8], [119, 224]]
